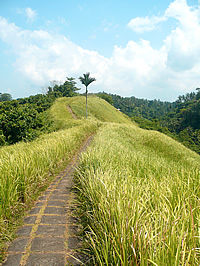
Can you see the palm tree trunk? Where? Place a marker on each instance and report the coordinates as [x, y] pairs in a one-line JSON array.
[[86, 101]]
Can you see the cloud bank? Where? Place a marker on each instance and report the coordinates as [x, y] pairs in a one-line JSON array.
[[134, 70]]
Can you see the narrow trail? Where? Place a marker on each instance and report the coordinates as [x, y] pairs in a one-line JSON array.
[[48, 236], [70, 110]]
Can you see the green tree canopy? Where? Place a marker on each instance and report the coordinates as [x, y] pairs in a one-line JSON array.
[[67, 89], [106, 97], [5, 97]]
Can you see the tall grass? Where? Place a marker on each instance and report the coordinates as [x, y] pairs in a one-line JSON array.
[[98, 109], [139, 199], [26, 167], [138, 191], [61, 116]]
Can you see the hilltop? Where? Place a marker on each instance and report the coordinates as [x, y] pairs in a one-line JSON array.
[[98, 109]]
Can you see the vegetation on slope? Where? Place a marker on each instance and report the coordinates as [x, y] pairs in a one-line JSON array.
[[179, 119], [67, 89], [139, 199], [27, 118], [98, 109], [24, 119], [61, 116], [184, 120], [27, 167], [138, 190], [148, 109]]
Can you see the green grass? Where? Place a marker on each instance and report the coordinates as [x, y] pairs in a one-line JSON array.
[[61, 116], [138, 191], [27, 168], [139, 199], [98, 109]]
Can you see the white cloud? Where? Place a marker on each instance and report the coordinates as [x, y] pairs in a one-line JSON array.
[[182, 44], [134, 70], [42, 57], [31, 14], [142, 25]]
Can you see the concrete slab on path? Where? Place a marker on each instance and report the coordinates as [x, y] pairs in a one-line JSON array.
[[49, 234]]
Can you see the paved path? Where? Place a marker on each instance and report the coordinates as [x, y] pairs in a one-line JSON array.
[[48, 237]]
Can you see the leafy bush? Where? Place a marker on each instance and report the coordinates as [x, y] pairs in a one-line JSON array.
[[2, 138], [20, 121]]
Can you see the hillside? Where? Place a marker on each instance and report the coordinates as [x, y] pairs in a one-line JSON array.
[[179, 119], [126, 166], [137, 190], [97, 109]]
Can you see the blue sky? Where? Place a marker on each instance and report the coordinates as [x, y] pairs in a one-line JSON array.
[[147, 49]]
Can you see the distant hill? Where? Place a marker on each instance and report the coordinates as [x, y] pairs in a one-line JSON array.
[[148, 109]]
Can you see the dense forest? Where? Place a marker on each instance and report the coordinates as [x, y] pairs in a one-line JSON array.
[[148, 109], [25, 119]]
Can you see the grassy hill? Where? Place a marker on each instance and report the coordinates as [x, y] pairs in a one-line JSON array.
[[138, 190], [98, 109]]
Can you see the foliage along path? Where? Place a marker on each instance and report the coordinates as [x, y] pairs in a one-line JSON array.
[[49, 234]]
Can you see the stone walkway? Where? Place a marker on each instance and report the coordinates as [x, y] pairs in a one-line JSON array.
[[48, 237]]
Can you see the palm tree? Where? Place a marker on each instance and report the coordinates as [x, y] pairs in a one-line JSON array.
[[86, 80]]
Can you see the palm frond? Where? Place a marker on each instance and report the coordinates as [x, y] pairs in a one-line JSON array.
[[86, 79]]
